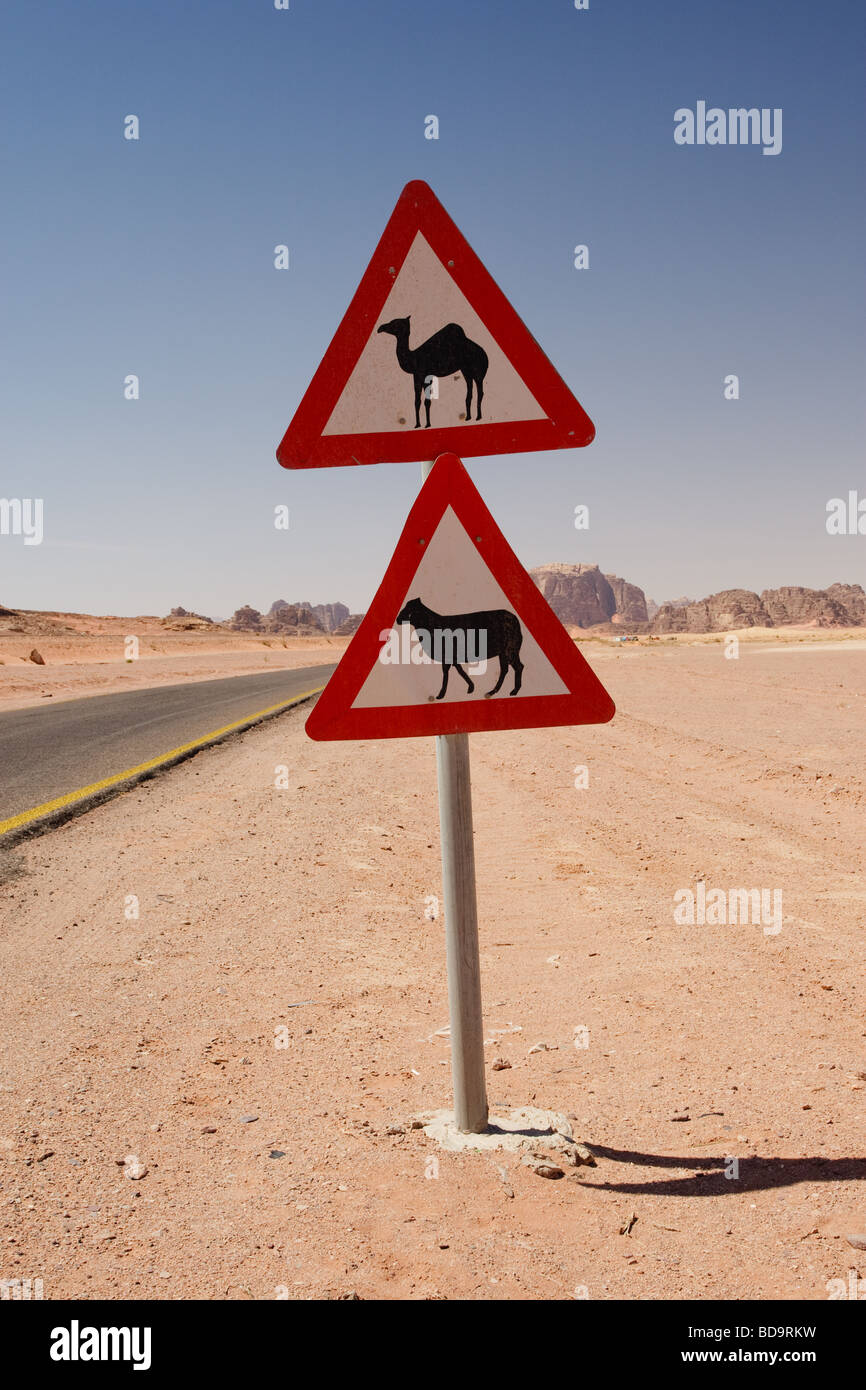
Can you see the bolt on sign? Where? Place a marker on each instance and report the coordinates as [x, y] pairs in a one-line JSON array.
[[430, 357], [458, 637]]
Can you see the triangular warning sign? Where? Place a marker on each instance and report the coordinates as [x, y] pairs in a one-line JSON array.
[[430, 357], [458, 637]]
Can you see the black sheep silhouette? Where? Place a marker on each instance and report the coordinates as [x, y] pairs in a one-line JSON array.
[[448, 351], [436, 632]]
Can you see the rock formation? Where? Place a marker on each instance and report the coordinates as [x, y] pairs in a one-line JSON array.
[[805, 607], [852, 599], [246, 619], [582, 596], [579, 595], [329, 615], [631, 604], [841, 605], [720, 612], [180, 620]]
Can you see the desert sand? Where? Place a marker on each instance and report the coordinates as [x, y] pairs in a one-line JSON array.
[[214, 1098], [86, 655]]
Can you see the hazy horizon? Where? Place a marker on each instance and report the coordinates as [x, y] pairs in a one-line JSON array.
[[265, 606]]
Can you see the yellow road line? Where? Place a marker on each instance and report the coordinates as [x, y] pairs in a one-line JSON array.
[[24, 817]]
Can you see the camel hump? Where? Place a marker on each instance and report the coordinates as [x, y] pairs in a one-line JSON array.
[[454, 329]]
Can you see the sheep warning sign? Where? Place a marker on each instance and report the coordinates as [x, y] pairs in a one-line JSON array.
[[458, 637], [430, 356]]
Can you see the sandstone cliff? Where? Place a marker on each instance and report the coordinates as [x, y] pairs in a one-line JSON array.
[[329, 616], [578, 594], [805, 607], [840, 605], [631, 604], [729, 609]]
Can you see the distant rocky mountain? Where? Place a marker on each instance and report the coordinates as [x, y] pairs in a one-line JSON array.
[[302, 619], [631, 604], [852, 598], [652, 607], [180, 620], [582, 596], [330, 615], [578, 594], [841, 605], [284, 619], [729, 609], [245, 619]]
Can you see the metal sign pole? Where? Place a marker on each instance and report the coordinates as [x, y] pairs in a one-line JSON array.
[[461, 928]]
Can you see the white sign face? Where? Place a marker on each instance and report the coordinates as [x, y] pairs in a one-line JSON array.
[[430, 357], [457, 638], [430, 352], [459, 632]]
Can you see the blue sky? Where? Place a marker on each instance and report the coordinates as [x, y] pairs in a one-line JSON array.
[[261, 127]]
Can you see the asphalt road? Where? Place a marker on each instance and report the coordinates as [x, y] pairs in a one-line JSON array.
[[50, 752]]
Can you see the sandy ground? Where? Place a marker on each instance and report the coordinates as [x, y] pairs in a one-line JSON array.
[[199, 1101], [87, 656]]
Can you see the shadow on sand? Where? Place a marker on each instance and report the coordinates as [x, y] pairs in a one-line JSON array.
[[706, 1177]]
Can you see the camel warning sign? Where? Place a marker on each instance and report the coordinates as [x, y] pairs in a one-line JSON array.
[[458, 637], [430, 357]]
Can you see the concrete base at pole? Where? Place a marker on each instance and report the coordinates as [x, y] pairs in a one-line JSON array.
[[526, 1128]]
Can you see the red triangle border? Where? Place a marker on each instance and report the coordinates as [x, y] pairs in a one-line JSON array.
[[567, 425], [587, 702]]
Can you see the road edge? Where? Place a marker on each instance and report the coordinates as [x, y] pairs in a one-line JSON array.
[[28, 824]]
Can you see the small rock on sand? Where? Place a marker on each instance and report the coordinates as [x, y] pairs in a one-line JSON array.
[[543, 1169]]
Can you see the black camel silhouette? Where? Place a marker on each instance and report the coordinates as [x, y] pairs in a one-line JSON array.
[[445, 637], [446, 352]]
